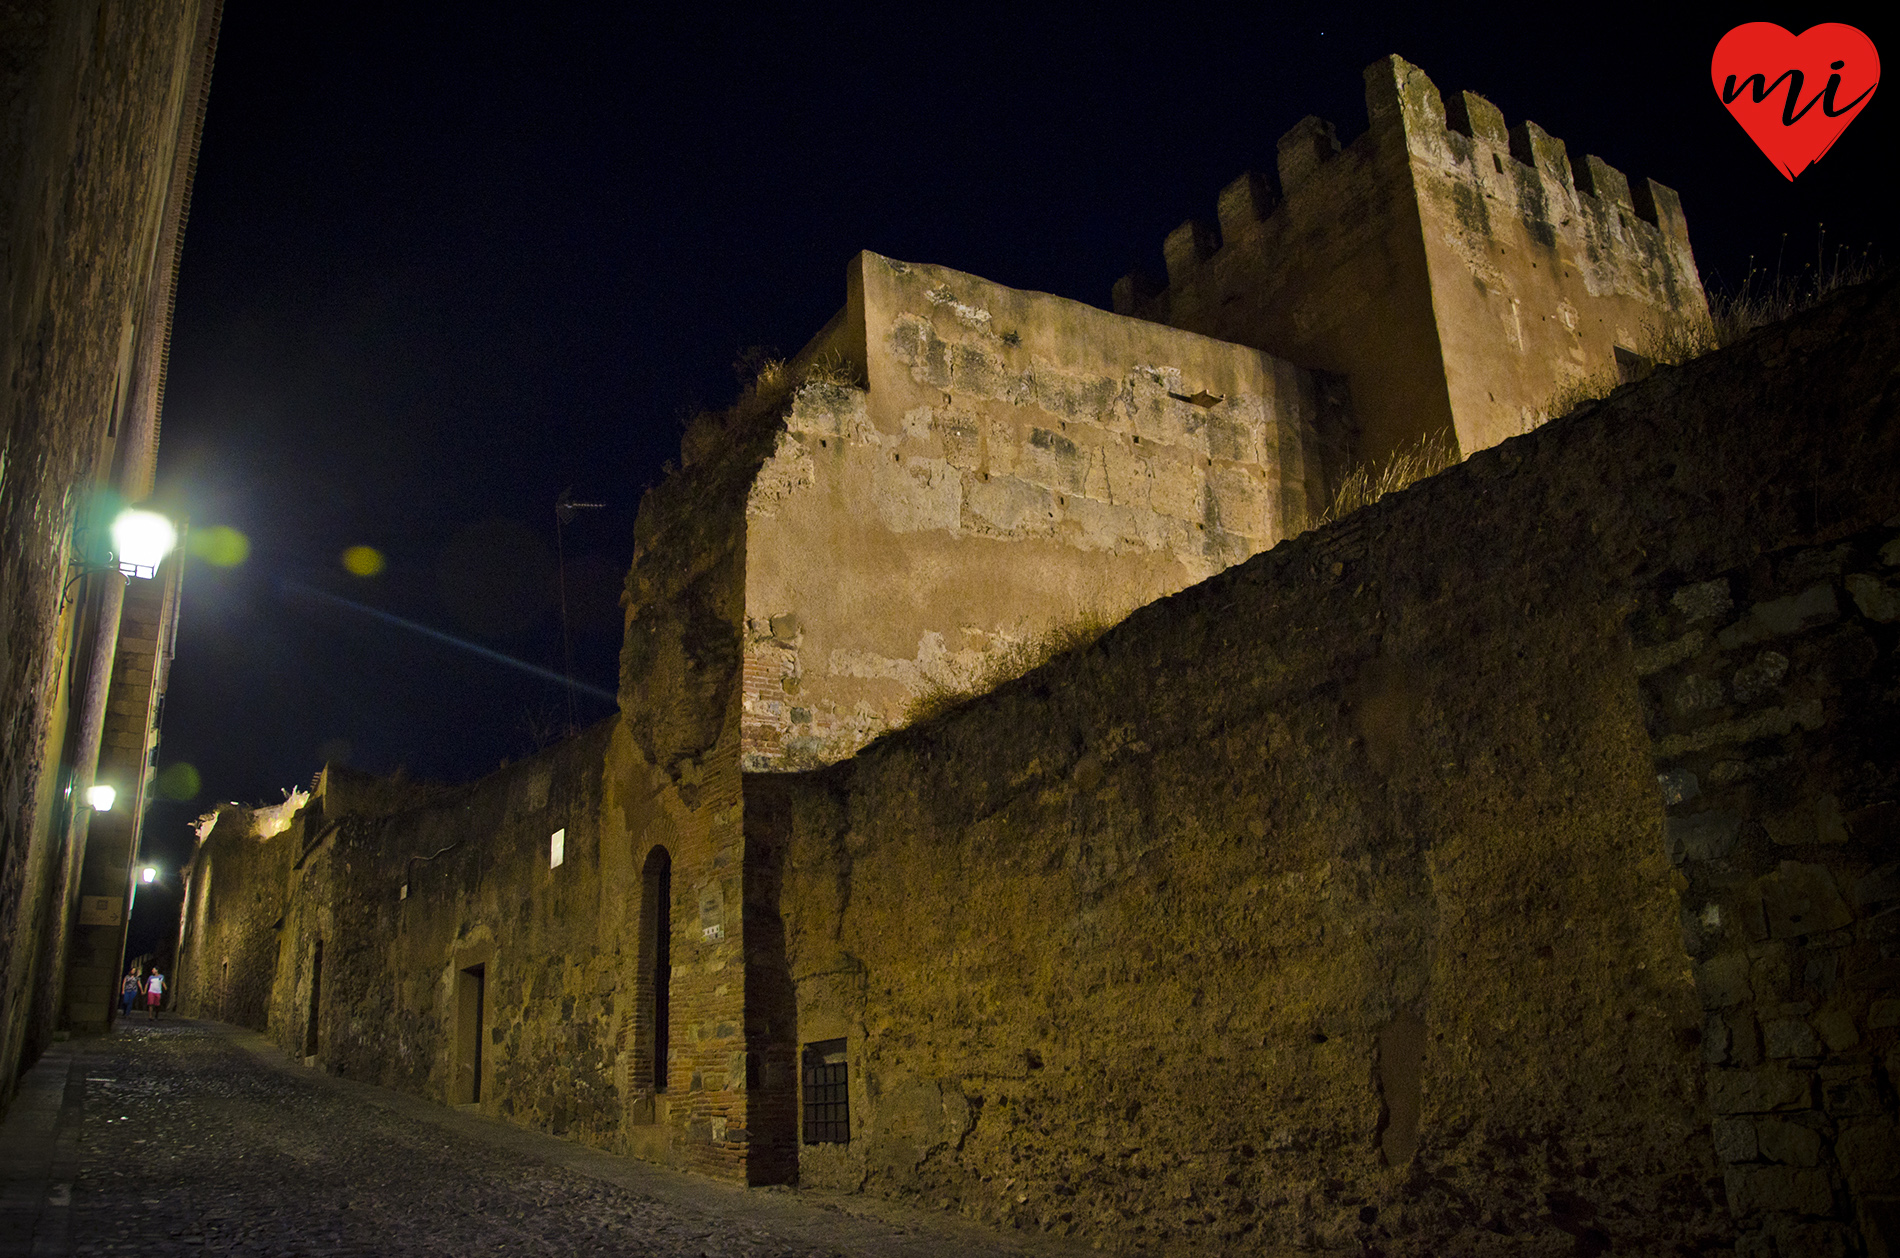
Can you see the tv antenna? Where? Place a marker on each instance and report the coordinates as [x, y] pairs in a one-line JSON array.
[[565, 509]]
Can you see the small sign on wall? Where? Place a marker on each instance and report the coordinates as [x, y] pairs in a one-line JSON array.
[[557, 847], [99, 910]]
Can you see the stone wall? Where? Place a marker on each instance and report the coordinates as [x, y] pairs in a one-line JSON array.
[[100, 105], [1007, 464], [1773, 696], [232, 918], [1458, 276], [1327, 904], [385, 906]]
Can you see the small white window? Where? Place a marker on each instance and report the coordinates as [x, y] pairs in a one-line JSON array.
[[557, 848]]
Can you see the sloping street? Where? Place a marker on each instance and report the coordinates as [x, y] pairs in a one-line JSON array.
[[183, 1137]]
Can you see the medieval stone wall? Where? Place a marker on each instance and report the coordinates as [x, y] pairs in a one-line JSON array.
[[1010, 463], [1328, 904], [384, 912], [1773, 695], [230, 939], [1458, 275]]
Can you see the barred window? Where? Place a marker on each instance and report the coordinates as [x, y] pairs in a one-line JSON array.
[[827, 1111]]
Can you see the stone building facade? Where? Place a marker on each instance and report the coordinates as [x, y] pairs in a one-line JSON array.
[[1329, 900], [101, 106]]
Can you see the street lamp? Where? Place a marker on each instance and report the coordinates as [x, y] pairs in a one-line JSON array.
[[141, 540], [148, 875], [101, 797]]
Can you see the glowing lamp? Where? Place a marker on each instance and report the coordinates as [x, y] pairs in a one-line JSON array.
[[141, 540], [148, 874], [101, 797]]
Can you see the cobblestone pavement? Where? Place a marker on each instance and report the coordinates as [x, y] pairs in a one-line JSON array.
[[182, 1137]]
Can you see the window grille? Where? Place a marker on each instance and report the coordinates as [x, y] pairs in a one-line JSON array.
[[826, 1080]]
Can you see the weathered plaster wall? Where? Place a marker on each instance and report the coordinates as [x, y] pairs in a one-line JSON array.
[[231, 934], [1013, 463], [99, 108], [672, 785], [1773, 695], [1327, 904], [1457, 276]]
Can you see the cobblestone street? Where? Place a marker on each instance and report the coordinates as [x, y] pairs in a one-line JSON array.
[[188, 1137]]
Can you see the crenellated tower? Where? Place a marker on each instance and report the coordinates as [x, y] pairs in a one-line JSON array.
[[1452, 272]]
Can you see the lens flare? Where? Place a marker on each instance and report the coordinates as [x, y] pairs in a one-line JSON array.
[[220, 546], [364, 561], [178, 782]]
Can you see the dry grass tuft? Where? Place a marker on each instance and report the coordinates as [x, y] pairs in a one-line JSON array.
[[1012, 661], [1365, 485], [1760, 301]]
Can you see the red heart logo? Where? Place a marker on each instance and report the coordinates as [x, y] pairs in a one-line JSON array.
[[1795, 94]]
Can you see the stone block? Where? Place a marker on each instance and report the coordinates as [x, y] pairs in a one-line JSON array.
[[1789, 1143], [1758, 1091], [1723, 981], [1814, 821], [1310, 142], [1878, 887], [1604, 182], [1701, 836], [1880, 1226], [1473, 115], [1878, 600], [1849, 1098], [1735, 1140], [1782, 616], [1883, 1013], [1868, 1151], [1245, 201], [1678, 786], [1703, 600], [1800, 900], [1790, 1037], [1754, 1190], [1759, 675], [1811, 1240], [1837, 1030]]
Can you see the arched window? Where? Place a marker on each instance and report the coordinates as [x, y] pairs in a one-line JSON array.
[[656, 970]]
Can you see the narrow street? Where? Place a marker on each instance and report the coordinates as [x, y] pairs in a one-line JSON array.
[[182, 1137]]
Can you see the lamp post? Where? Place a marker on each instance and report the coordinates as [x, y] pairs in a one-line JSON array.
[[140, 541], [133, 617]]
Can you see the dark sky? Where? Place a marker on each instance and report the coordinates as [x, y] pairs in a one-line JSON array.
[[445, 261]]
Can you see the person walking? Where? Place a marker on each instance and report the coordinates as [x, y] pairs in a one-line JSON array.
[[154, 991], [129, 991]]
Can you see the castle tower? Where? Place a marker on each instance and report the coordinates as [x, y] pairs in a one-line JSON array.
[[1457, 274]]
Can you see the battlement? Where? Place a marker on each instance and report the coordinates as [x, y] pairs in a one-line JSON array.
[[1464, 127], [1461, 272]]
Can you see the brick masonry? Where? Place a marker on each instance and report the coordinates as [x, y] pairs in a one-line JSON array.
[[1772, 693]]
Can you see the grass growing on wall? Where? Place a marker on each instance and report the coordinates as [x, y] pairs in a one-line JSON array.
[[1366, 484], [1759, 302], [1011, 661]]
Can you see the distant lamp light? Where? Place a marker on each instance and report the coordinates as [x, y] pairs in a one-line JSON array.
[[101, 797], [148, 874], [141, 540]]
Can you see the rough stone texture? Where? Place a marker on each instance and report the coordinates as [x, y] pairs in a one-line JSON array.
[[1013, 463], [100, 102], [141, 667], [1791, 920], [184, 1138], [1330, 903], [1459, 276]]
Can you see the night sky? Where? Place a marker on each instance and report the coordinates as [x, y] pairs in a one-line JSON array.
[[445, 263]]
